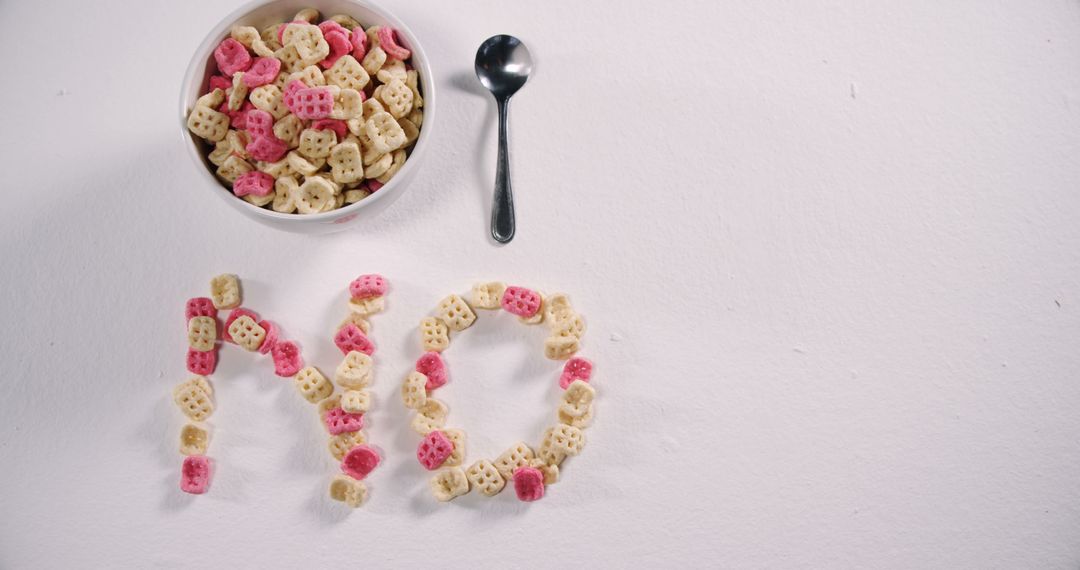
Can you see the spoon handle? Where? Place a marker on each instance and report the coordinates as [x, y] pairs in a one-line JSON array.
[[502, 208]]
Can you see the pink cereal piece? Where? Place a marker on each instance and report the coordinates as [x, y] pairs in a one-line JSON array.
[[289, 96], [350, 338], [238, 118], [339, 421], [431, 365], [260, 123], [339, 46], [388, 41], [267, 148], [201, 362], [360, 461], [199, 307], [219, 82], [433, 450], [336, 125], [328, 26], [313, 103], [255, 183], [272, 334], [358, 39], [195, 474], [236, 314], [577, 368], [287, 358], [528, 484], [367, 286], [521, 301], [374, 186], [264, 70], [232, 56]]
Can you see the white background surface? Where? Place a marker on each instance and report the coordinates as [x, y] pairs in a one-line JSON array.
[[828, 254]]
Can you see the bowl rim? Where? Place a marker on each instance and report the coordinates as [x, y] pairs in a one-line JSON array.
[[197, 66]]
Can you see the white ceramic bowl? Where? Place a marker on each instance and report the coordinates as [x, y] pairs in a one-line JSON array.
[[261, 13]]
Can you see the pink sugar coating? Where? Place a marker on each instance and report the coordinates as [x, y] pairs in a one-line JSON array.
[[199, 307], [433, 450], [327, 26], [233, 315], [359, 42], [367, 286], [521, 301], [336, 125], [219, 82], [287, 358], [238, 119], [577, 368], [264, 70], [313, 103], [388, 41], [199, 362], [255, 183], [374, 185], [231, 56], [339, 421], [528, 484], [351, 338], [360, 461], [431, 364], [271, 339], [289, 95], [267, 148], [260, 123], [339, 46], [195, 474]]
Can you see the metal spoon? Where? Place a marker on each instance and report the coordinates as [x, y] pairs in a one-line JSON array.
[[503, 65]]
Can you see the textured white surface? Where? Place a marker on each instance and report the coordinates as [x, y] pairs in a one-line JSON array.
[[828, 252]]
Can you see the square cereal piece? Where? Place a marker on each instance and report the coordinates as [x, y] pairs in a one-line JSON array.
[[561, 348], [360, 461], [581, 421], [368, 286], [449, 483], [247, 333], [434, 335], [347, 73], [456, 313], [199, 307], [568, 325], [202, 363], [550, 472], [269, 98], [457, 456], [548, 452], [328, 404], [356, 401], [348, 490], [338, 421], [577, 400], [225, 291], [234, 167], [528, 484], [345, 164], [413, 394], [486, 478], [433, 450], [341, 444], [354, 372], [430, 416], [313, 386], [350, 338], [538, 316], [195, 474], [556, 307], [317, 144], [194, 439], [488, 295], [208, 124], [194, 397], [202, 332], [517, 456], [567, 439]]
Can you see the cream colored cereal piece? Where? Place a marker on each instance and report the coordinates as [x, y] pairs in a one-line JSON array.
[[312, 55], [356, 126], [238, 141], [281, 81], [412, 132], [550, 471], [339, 200], [430, 416], [348, 490], [412, 80], [290, 58], [581, 421], [484, 476], [285, 190], [303, 165], [279, 169], [327, 177], [356, 401], [238, 92], [344, 161], [194, 397], [222, 151], [347, 73], [456, 313], [310, 15], [269, 32], [488, 295], [355, 195], [194, 439], [373, 36], [355, 319], [370, 106], [202, 332], [433, 334], [324, 406], [225, 291], [377, 92], [413, 390], [449, 483], [305, 37], [348, 104], [313, 386], [211, 100], [374, 60], [269, 98], [397, 97], [369, 306], [557, 307], [259, 201], [566, 439], [538, 316], [577, 399], [456, 437], [517, 456], [570, 326], [347, 22], [548, 452], [249, 36], [341, 444], [379, 165], [561, 348], [311, 76], [247, 333], [288, 129], [313, 195], [399, 161], [417, 117], [233, 168], [391, 70], [354, 372], [207, 123], [317, 143]]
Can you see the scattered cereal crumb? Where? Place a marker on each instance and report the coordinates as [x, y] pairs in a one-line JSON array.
[[854, 90], [616, 337], [798, 349]]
